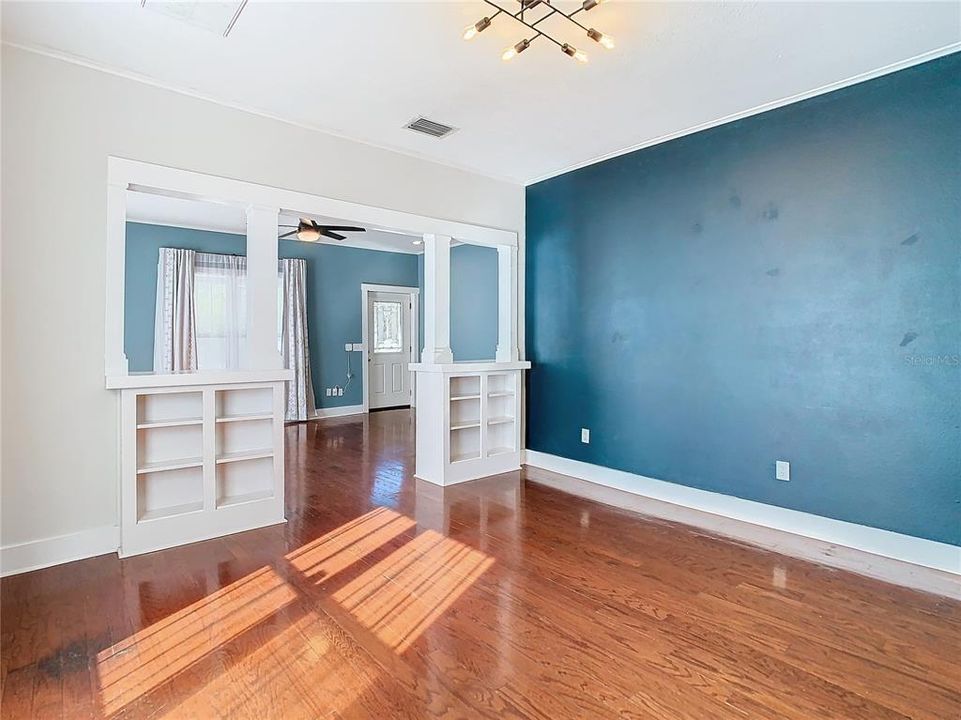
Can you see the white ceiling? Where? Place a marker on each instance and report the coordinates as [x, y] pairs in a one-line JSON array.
[[196, 215], [363, 69]]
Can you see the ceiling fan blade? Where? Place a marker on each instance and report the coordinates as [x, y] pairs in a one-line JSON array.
[[293, 226], [344, 228], [287, 235], [333, 235]]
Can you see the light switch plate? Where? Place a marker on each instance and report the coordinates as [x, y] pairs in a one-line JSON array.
[[349, 346], [782, 470], [585, 435]]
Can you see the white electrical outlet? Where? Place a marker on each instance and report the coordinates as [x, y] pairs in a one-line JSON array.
[[349, 347], [585, 436], [782, 470], [328, 391]]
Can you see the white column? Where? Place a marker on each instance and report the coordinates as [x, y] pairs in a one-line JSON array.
[[437, 300], [262, 353], [115, 360], [506, 303]]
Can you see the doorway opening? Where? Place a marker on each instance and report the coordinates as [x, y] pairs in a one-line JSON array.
[[391, 341]]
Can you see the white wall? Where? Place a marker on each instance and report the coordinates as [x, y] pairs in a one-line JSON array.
[[60, 122]]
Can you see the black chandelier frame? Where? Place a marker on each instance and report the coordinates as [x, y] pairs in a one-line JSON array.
[[528, 6]]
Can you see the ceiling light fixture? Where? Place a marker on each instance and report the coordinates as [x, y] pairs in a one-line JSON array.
[[528, 6]]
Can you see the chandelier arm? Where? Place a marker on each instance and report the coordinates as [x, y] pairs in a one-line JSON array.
[[564, 14], [527, 24], [540, 19]]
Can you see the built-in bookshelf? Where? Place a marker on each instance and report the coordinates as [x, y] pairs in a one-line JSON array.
[[199, 462], [478, 418]]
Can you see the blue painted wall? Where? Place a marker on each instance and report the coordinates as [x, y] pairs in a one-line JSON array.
[[787, 286], [334, 277], [473, 302]]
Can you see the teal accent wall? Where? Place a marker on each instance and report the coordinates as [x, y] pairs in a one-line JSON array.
[[787, 286], [473, 302], [334, 277]]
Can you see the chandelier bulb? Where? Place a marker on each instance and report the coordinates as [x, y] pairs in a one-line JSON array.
[[574, 53], [605, 40], [470, 32], [512, 52]]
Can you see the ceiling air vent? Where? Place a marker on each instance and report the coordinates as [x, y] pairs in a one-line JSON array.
[[430, 127]]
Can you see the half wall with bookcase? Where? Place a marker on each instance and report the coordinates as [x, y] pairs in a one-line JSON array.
[[468, 420], [199, 460]]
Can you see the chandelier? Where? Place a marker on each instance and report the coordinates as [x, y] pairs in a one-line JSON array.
[[542, 9]]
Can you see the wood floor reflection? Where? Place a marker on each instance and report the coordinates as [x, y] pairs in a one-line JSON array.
[[383, 597]]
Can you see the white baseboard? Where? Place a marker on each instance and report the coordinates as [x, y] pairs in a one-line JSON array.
[[893, 557], [37, 554], [321, 413]]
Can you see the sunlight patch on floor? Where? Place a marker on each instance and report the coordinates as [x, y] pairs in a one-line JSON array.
[[282, 656], [339, 549], [295, 669], [149, 658], [400, 596]]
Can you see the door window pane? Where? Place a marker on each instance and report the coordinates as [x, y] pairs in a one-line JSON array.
[[388, 327]]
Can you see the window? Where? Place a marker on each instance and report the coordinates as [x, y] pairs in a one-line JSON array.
[[220, 302], [388, 327]]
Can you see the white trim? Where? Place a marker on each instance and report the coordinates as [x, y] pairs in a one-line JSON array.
[[890, 556], [137, 77], [470, 366], [365, 290], [191, 185], [321, 413], [207, 377], [774, 104], [37, 554]]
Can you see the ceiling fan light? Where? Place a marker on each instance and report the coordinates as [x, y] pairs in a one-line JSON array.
[[308, 234], [512, 52], [470, 32]]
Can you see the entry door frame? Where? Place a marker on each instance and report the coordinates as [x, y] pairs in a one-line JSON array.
[[414, 293]]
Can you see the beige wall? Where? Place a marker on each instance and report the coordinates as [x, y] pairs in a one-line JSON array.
[[59, 123]]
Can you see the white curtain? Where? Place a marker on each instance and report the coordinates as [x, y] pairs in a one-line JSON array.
[[220, 294], [175, 323], [293, 338]]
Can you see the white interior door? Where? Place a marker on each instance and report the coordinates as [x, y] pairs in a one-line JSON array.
[[390, 349]]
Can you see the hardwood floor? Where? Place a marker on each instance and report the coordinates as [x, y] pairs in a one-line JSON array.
[[386, 598]]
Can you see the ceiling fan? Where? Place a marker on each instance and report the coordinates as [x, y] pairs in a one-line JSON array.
[[310, 231]]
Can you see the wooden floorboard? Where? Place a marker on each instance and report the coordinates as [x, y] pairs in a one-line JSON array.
[[386, 598]]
